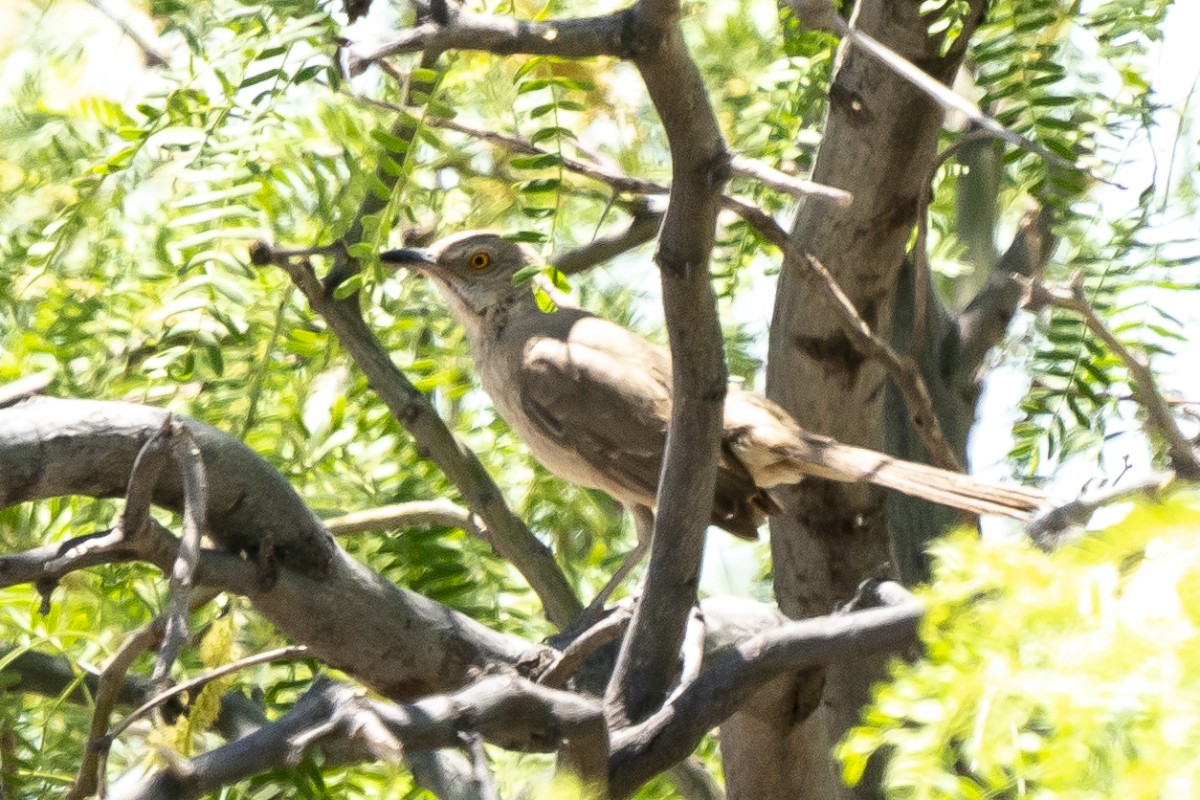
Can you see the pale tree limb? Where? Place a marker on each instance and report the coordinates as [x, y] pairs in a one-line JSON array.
[[15, 391], [408, 515], [1180, 450]]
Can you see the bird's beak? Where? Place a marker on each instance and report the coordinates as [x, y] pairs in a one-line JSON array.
[[414, 258]]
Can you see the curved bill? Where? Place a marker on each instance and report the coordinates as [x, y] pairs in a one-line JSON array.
[[412, 257]]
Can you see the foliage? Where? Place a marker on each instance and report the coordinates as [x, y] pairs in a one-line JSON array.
[[127, 203], [1065, 675], [1077, 83]]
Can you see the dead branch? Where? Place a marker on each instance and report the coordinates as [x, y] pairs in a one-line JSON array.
[[902, 369], [195, 505]]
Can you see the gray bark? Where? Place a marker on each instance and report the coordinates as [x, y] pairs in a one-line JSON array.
[[879, 143]]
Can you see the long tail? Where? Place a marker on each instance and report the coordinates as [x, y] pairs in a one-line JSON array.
[[776, 451], [844, 463]]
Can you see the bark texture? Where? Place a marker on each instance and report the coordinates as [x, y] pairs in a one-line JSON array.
[[879, 143]]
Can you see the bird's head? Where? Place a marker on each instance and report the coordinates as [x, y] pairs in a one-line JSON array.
[[474, 271]]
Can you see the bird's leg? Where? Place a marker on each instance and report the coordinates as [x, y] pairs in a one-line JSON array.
[[643, 523]]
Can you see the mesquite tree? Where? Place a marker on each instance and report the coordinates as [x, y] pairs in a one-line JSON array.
[[247, 474]]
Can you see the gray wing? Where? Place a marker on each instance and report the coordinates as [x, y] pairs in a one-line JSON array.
[[601, 395]]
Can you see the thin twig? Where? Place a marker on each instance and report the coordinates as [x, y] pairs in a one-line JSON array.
[[90, 777], [1047, 530], [902, 369], [1180, 450], [741, 166], [608, 630], [752, 168], [407, 515], [279, 654], [195, 511], [154, 56]]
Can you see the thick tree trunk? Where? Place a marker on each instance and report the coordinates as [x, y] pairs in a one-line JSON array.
[[879, 143]]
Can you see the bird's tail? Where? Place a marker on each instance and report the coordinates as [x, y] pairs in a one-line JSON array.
[[776, 451], [844, 463]]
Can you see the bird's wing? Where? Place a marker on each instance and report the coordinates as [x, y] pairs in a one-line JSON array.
[[602, 393]]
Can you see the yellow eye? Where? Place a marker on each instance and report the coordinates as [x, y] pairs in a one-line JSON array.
[[480, 260]]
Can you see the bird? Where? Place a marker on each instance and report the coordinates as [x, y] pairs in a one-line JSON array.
[[592, 400]]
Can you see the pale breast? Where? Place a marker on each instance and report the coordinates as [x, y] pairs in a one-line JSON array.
[[499, 364]]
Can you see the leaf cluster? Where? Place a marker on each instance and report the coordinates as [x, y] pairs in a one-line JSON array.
[[1050, 676]]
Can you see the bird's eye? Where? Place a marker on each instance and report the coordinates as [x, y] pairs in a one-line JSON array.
[[480, 260]]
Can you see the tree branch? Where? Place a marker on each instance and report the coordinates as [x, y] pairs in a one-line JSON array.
[[1047, 531], [903, 370], [643, 751], [507, 711], [753, 169], [642, 228], [407, 515], [1180, 450], [195, 504], [155, 57], [649, 654], [983, 323], [609, 35]]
